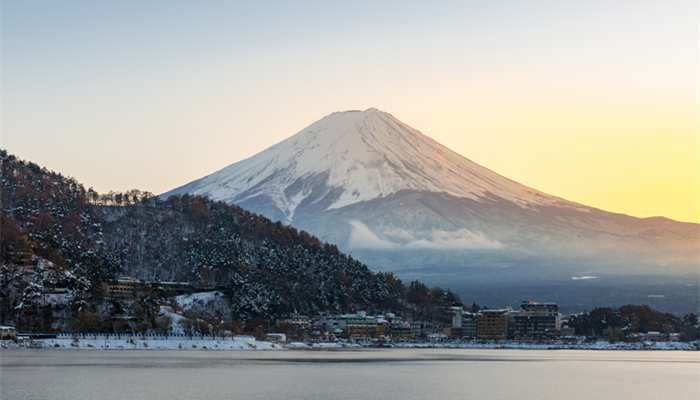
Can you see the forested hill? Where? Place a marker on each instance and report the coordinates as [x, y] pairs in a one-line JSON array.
[[79, 239]]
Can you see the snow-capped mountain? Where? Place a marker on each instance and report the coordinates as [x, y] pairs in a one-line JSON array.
[[400, 201], [354, 156]]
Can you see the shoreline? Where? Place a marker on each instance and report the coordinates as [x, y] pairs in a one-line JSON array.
[[239, 345]]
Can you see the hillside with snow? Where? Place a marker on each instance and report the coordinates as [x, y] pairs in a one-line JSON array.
[[62, 244]]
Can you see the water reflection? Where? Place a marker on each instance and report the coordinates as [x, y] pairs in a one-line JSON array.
[[386, 374]]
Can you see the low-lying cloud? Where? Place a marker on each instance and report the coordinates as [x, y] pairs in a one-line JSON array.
[[362, 237], [583, 278]]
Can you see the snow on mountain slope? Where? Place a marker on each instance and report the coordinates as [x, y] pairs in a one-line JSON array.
[[399, 201], [353, 156]]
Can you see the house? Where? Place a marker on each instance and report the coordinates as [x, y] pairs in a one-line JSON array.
[[656, 336], [23, 341], [437, 337], [275, 337], [567, 331], [7, 332], [634, 337]]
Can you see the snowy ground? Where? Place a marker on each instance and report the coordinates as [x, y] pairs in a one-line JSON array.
[[188, 300], [601, 345], [140, 344], [174, 344]]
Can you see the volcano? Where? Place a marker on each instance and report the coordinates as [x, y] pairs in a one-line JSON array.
[[402, 202]]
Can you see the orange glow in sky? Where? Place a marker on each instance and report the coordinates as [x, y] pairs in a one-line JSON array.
[[595, 102]]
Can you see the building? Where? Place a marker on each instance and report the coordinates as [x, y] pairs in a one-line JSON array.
[[361, 325], [428, 328], [456, 317], [437, 337], [354, 325], [656, 336], [531, 308], [124, 288], [400, 329], [493, 324], [469, 325], [179, 288], [357, 325], [383, 329], [297, 319], [127, 288], [275, 337], [463, 324], [567, 331], [455, 331], [537, 321], [7, 332], [534, 327], [416, 329], [331, 323]]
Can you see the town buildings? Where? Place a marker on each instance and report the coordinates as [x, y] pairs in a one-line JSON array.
[[493, 324], [469, 325], [382, 327], [537, 321], [301, 321], [126, 288]]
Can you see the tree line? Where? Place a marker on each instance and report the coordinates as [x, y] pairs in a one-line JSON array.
[[622, 323]]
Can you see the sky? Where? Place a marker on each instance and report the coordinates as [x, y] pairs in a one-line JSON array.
[[595, 101]]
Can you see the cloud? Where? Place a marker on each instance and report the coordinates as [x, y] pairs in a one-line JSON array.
[[362, 237], [585, 277]]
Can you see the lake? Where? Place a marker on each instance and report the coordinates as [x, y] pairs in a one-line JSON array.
[[350, 374]]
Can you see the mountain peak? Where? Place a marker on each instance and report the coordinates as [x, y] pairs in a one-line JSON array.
[[353, 156], [368, 111], [341, 121]]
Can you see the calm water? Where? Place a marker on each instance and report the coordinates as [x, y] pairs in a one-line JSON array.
[[373, 374]]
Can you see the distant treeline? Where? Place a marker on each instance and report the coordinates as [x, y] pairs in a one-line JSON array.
[[112, 198], [619, 323]]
